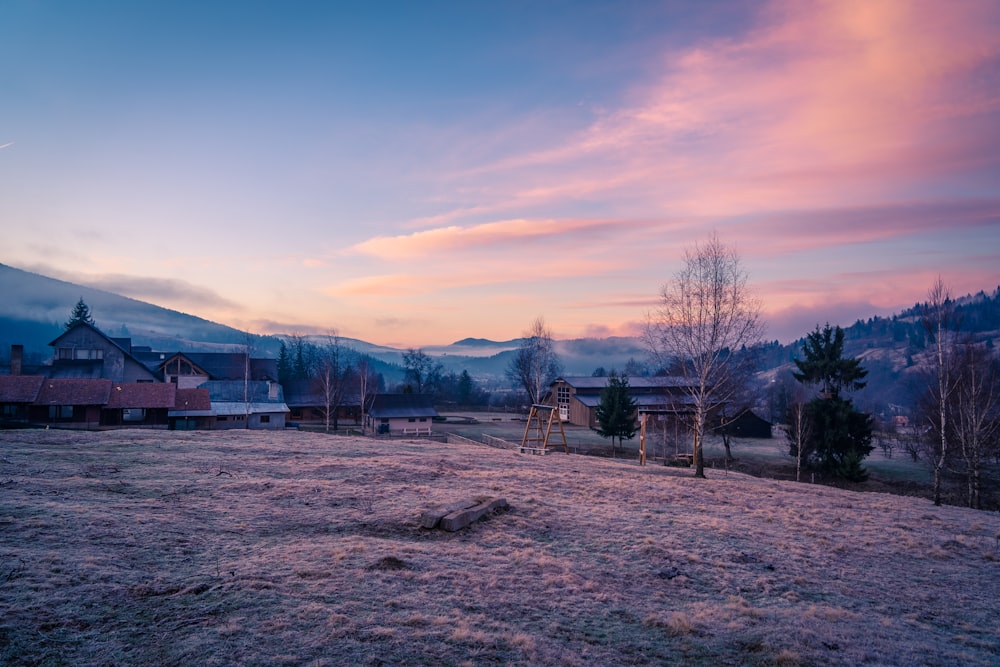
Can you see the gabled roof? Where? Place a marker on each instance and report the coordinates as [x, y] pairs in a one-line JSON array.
[[397, 406], [87, 369], [20, 388], [71, 391], [225, 365], [142, 395]]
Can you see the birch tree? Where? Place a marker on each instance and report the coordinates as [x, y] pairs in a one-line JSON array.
[[535, 364], [937, 320], [975, 415], [706, 313], [333, 376]]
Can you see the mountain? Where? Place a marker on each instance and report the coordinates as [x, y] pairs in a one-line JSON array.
[[34, 308]]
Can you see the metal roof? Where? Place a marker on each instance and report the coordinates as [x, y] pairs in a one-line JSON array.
[[398, 406]]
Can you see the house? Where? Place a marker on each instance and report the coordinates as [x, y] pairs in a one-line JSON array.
[[401, 414], [17, 394], [247, 404], [577, 397], [139, 404], [308, 403], [83, 351], [70, 402]]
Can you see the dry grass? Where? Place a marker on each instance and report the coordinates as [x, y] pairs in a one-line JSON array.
[[252, 548]]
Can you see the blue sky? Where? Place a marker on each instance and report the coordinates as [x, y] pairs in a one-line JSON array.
[[415, 173]]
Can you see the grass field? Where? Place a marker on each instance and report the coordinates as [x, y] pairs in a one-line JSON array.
[[288, 548]]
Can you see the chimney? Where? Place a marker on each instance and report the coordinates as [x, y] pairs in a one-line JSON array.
[[16, 359]]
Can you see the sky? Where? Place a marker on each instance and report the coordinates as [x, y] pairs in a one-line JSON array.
[[415, 173]]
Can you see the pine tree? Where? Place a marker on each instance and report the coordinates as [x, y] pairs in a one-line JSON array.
[[284, 365], [81, 313], [839, 437], [616, 411]]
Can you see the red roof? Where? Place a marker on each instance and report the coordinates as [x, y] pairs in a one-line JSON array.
[[192, 399], [20, 388], [63, 391], [142, 395]]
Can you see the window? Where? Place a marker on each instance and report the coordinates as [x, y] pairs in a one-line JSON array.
[[265, 419], [423, 419], [79, 353], [10, 410], [133, 414], [60, 412], [562, 394], [412, 420]]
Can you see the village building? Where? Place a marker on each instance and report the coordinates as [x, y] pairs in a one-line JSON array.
[[401, 414], [247, 404], [577, 397], [84, 351], [309, 403]]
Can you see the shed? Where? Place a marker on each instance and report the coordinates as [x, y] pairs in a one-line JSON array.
[[402, 414]]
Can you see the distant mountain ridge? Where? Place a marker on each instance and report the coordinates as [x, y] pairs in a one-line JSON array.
[[34, 307]]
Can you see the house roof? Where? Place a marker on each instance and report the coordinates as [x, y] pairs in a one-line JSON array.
[[309, 393], [239, 391], [226, 365], [643, 401], [234, 408], [396, 406], [635, 382], [20, 388], [142, 395], [193, 399], [74, 369], [192, 403], [73, 391]]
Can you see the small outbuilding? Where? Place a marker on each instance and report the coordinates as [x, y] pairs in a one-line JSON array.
[[401, 414]]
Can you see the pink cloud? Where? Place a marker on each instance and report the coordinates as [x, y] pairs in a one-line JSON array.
[[817, 103], [443, 240]]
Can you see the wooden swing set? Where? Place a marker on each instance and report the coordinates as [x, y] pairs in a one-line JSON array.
[[538, 430]]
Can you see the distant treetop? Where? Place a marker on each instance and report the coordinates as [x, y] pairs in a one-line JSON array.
[[81, 313]]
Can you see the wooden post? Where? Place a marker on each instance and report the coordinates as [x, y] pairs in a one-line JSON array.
[[642, 439]]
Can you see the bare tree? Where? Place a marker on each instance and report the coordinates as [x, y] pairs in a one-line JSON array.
[[706, 313], [937, 320], [367, 385], [332, 379], [975, 408], [798, 429], [535, 364], [422, 372]]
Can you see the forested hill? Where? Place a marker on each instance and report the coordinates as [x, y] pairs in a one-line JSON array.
[[893, 349]]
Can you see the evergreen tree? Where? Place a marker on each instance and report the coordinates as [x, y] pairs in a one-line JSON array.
[[839, 437], [81, 313], [466, 388], [285, 371], [616, 411], [825, 364]]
